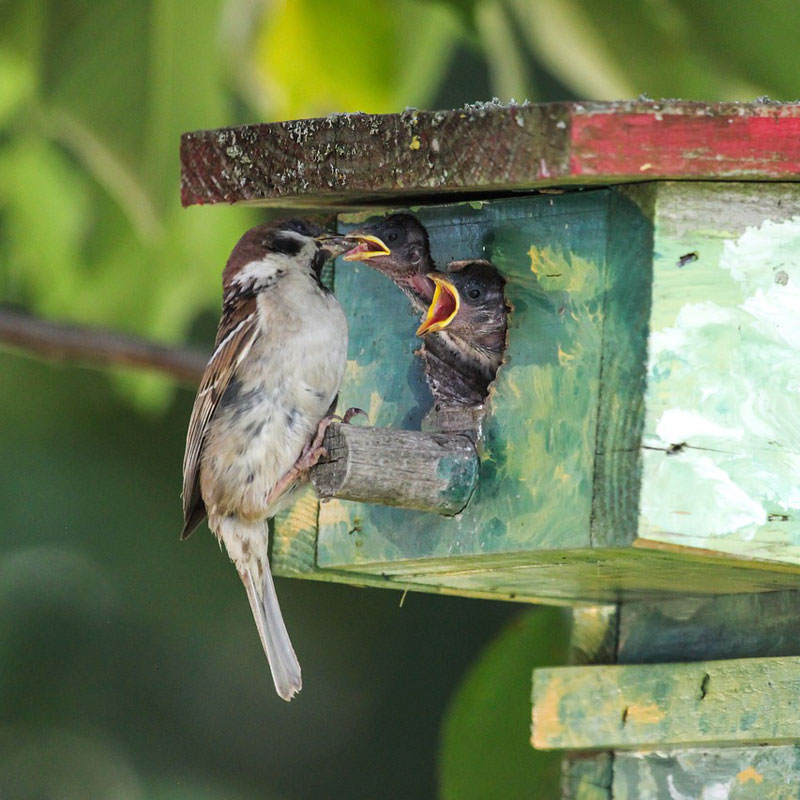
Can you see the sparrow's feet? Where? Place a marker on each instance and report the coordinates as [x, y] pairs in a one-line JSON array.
[[312, 453], [310, 456]]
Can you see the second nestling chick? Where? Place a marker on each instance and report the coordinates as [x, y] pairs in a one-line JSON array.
[[469, 312], [398, 248]]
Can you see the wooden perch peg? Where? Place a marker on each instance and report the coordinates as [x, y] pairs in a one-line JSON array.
[[410, 469]]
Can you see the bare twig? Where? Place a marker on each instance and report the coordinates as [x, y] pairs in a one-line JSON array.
[[98, 346]]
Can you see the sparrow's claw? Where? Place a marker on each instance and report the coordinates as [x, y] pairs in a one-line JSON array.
[[323, 426], [312, 453], [352, 412]]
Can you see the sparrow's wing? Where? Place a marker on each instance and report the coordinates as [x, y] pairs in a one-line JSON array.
[[237, 330]]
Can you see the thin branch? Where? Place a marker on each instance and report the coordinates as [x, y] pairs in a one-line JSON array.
[[98, 346]]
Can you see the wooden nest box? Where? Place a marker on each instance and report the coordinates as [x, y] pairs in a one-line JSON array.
[[641, 443], [642, 437]]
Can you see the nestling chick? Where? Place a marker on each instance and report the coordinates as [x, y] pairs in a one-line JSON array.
[[274, 375], [462, 359], [398, 247], [465, 328], [470, 306]]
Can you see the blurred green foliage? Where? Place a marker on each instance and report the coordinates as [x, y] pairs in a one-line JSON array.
[[486, 750], [128, 663]]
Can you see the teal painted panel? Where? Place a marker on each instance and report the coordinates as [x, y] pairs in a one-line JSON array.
[[721, 468], [535, 487], [733, 773]]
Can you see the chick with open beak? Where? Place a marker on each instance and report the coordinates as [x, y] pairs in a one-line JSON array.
[[468, 306], [398, 248]]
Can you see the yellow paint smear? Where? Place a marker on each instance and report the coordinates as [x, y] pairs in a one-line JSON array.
[[545, 262], [415, 144], [302, 516], [375, 403], [546, 723], [334, 512], [564, 357], [749, 774], [648, 714], [561, 474]]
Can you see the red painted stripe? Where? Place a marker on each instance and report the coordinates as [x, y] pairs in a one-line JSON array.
[[682, 145]]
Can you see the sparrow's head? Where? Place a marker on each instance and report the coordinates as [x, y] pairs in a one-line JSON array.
[[272, 251], [398, 247], [468, 302]]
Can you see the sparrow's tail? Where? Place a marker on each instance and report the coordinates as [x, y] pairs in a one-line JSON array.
[[274, 637]]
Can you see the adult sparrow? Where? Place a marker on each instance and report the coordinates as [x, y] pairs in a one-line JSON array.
[[262, 406]]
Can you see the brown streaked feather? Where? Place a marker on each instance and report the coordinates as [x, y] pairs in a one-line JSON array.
[[237, 329]]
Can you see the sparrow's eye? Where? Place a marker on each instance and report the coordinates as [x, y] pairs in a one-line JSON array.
[[287, 245], [473, 293], [392, 236]]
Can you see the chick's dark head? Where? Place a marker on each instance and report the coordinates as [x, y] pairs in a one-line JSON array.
[[398, 247], [468, 302]]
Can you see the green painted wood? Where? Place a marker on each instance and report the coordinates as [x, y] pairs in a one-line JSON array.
[[713, 703], [617, 467], [587, 776], [721, 458], [594, 635], [593, 640], [710, 628], [640, 313], [535, 485], [593, 576], [755, 773]]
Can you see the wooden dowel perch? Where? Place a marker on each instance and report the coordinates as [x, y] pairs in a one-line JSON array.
[[410, 469]]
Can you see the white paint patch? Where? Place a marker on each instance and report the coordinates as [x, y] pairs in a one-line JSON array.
[[679, 425], [717, 791], [710, 502], [712, 791], [674, 794], [725, 376], [776, 313]]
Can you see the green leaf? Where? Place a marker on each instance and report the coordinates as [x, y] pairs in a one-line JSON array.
[[94, 98], [486, 751], [313, 57]]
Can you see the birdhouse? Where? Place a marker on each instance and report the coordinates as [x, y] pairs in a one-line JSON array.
[[641, 441]]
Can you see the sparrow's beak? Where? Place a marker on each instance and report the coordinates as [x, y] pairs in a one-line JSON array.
[[335, 243], [367, 246], [444, 306]]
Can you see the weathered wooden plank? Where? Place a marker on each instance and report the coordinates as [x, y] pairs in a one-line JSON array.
[[350, 159], [593, 640], [721, 458], [710, 628], [735, 773], [626, 313], [361, 159], [587, 776], [433, 472], [667, 705]]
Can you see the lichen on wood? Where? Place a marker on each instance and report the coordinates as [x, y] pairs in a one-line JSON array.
[[361, 159]]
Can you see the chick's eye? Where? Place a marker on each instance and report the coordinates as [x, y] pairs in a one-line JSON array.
[[473, 293], [392, 235]]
